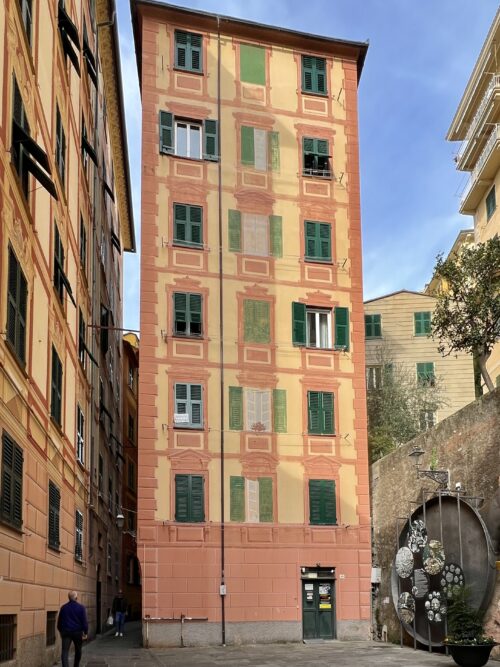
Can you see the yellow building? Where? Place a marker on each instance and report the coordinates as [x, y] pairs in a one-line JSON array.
[[253, 463], [65, 214], [399, 324], [477, 125]]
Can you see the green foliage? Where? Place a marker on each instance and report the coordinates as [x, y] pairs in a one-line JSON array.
[[395, 407], [465, 624], [467, 313]]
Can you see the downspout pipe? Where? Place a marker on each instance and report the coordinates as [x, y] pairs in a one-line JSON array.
[[221, 351]]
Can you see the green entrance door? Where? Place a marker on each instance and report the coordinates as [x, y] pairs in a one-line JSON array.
[[318, 609]]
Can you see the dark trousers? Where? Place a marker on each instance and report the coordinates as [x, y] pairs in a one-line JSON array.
[[67, 638]]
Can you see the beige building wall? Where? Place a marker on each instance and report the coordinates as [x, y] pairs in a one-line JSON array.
[[476, 125], [40, 304], [398, 333]]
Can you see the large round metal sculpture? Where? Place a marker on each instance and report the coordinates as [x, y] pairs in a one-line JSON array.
[[451, 548]]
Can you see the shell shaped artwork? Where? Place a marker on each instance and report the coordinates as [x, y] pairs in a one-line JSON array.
[[435, 607], [417, 536], [452, 579], [433, 557], [404, 562], [421, 583], [406, 607]]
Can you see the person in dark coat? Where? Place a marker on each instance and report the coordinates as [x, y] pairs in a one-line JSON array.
[[73, 627], [119, 611]]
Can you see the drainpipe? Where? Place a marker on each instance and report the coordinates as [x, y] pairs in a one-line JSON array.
[[221, 350]]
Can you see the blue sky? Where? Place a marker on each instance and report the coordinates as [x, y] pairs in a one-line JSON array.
[[420, 57]]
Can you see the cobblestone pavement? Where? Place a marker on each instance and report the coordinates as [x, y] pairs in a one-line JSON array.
[[111, 651]]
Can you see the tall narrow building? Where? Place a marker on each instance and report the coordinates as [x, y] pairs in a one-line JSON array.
[[476, 125], [65, 217], [253, 476]]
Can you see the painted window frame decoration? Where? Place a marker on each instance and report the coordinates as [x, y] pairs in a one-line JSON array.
[[208, 132], [188, 48]]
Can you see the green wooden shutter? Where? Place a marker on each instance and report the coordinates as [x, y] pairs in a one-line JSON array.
[[54, 513], [377, 325], [196, 52], [247, 145], [298, 323], [180, 313], [211, 136], [274, 150], [181, 49], [236, 408], [234, 231], [195, 405], [275, 226], [17, 495], [425, 373], [279, 410], [166, 132], [315, 496], [12, 298], [422, 323], [181, 223], [253, 64], [195, 314], [328, 423], [314, 412], [7, 489], [325, 241], [262, 322], [341, 327], [322, 502], [181, 399], [320, 75], [182, 498], [56, 388], [21, 317], [322, 147], [195, 226], [197, 504], [265, 499], [311, 237], [249, 321], [237, 497], [309, 146], [307, 74]]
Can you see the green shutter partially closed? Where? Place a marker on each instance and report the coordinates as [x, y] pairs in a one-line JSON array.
[[265, 499], [197, 513], [298, 323], [327, 408], [247, 145], [237, 498], [211, 136], [314, 412], [342, 328], [236, 408], [322, 502], [166, 132], [279, 410], [182, 498], [234, 231], [275, 226], [253, 64]]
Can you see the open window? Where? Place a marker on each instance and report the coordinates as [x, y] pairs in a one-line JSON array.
[[189, 138], [69, 36]]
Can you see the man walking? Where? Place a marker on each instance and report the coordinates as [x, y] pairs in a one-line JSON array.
[[119, 611], [73, 627]]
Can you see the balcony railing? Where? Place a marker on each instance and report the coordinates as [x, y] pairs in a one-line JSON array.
[[493, 84], [492, 139]]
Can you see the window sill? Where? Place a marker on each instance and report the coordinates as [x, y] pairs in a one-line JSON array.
[[53, 548], [185, 70], [19, 363], [200, 429], [14, 527], [373, 337], [178, 336], [324, 525], [324, 435], [323, 177], [190, 246], [57, 426], [312, 93], [318, 260]]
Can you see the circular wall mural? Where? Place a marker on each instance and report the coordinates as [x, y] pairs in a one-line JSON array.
[[404, 562], [433, 557], [417, 536], [435, 607], [452, 579], [406, 608]]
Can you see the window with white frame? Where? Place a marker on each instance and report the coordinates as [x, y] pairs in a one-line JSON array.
[[258, 410], [373, 377], [80, 435], [188, 137], [319, 328], [78, 535]]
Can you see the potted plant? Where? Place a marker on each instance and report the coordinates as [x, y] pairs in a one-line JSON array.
[[466, 641]]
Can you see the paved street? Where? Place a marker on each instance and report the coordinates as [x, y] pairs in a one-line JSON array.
[[109, 651]]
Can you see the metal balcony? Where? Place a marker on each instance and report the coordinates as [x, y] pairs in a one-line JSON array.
[[474, 139], [483, 173]]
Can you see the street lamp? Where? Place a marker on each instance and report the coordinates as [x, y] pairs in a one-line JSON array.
[[441, 477], [120, 522]]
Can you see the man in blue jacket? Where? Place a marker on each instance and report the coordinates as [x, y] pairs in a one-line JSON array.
[[73, 627]]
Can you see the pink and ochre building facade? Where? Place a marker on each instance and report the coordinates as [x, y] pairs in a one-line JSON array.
[[253, 490]]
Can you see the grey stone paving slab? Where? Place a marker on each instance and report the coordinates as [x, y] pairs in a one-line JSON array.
[[126, 652]]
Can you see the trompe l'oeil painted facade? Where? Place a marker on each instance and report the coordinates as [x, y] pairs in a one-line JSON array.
[[253, 479]]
